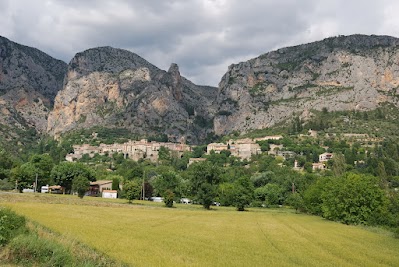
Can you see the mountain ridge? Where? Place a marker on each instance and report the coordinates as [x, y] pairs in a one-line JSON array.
[[116, 88], [359, 73]]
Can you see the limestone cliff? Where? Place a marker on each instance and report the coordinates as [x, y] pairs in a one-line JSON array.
[[29, 81], [116, 88], [355, 72]]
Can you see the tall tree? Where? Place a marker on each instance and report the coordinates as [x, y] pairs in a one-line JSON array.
[[64, 173], [338, 164], [204, 178], [131, 190], [80, 184], [243, 193]]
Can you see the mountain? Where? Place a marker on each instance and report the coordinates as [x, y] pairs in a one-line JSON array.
[[112, 88], [356, 72], [29, 81], [115, 88]]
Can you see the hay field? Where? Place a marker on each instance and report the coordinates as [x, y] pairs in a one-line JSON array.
[[188, 236]]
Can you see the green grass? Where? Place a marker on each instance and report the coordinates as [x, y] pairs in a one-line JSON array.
[[144, 235]]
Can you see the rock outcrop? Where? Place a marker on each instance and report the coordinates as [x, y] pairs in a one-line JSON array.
[[29, 81], [111, 87], [355, 72]]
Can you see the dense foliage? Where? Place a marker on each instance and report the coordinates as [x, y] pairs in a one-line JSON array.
[[358, 186]]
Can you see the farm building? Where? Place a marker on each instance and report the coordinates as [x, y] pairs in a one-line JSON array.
[[110, 194]]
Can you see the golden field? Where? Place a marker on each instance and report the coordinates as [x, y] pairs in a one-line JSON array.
[[151, 235]]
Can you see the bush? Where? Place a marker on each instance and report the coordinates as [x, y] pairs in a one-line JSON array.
[[28, 249], [10, 225], [80, 184], [396, 233], [168, 198]]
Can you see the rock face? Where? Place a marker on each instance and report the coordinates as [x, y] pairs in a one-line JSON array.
[[29, 81], [116, 88], [356, 72]]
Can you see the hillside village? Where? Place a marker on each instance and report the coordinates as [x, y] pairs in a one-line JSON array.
[[243, 149]]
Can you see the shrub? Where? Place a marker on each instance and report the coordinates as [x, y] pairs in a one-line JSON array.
[[396, 232], [168, 198], [10, 225], [28, 249]]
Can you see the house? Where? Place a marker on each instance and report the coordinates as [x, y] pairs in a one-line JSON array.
[[245, 150], [98, 187], [110, 194], [325, 157], [297, 167], [216, 147], [318, 166], [271, 137], [56, 189]]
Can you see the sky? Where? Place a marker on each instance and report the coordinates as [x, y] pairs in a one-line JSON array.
[[203, 37]]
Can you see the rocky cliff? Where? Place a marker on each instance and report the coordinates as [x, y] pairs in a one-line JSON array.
[[355, 72], [116, 88], [29, 81]]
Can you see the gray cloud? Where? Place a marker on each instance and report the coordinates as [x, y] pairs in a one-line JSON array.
[[202, 36]]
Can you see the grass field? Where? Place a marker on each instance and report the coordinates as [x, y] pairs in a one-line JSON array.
[[143, 235]]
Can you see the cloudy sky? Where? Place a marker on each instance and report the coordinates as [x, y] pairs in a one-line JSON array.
[[202, 36]]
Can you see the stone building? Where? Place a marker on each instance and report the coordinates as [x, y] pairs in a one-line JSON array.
[[134, 150]]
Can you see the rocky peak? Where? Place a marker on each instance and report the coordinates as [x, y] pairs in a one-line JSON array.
[[29, 81], [116, 88], [106, 59], [177, 85], [28, 67], [338, 73]]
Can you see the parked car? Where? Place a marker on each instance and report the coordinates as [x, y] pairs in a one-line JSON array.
[[185, 200], [216, 203], [157, 199], [28, 190]]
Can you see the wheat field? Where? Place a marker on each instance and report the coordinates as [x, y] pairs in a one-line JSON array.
[[142, 235]]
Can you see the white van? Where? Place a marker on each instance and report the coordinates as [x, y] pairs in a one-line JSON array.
[[44, 189]]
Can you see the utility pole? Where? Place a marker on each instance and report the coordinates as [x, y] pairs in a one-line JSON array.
[[143, 191], [36, 184]]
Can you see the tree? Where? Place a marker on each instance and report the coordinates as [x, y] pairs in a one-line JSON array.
[[261, 179], [354, 199], [116, 179], [243, 193], [312, 196], [225, 192], [168, 184], [64, 173], [131, 190], [205, 194], [338, 164], [43, 164], [80, 184], [295, 200], [164, 155], [271, 194], [204, 178], [24, 176], [168, 198]]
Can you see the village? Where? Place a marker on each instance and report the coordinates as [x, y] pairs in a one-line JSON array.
[[243, 149]]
